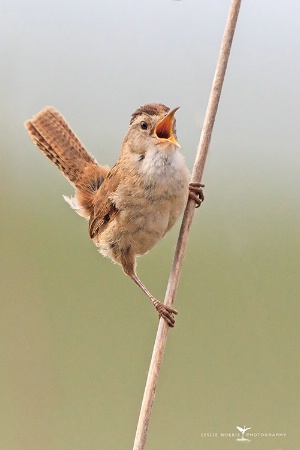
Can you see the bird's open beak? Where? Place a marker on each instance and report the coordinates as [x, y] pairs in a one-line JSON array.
[[164, 128]]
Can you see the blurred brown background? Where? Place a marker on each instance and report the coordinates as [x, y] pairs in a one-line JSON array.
[[76, 334]]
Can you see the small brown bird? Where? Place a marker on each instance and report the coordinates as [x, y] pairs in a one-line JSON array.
[[131, 206]]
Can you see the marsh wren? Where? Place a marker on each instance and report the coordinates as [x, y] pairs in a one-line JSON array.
[[131, 206]]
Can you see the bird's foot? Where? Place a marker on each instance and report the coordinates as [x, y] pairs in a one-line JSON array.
[[164, 311], [196, 193]]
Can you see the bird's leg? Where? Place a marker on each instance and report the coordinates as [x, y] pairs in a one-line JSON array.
[[127, 260], [164, 311], [196, 193]]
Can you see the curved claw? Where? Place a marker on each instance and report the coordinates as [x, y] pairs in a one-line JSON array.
[[196, 193], [166, 312]]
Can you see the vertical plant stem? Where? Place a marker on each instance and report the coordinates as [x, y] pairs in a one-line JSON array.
[[202, 150]]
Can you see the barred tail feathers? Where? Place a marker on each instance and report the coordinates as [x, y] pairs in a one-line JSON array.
[[53, 136]]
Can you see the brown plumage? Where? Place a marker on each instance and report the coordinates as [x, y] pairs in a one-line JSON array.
[[132, 206], [53, 136]]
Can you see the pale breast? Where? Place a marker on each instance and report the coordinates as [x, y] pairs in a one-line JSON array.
[[149, 204]]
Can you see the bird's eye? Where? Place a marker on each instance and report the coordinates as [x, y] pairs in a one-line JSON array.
[[143, 125]]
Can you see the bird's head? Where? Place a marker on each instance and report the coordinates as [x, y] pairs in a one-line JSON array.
[[152, 126]]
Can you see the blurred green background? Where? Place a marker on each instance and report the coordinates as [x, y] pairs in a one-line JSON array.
[[76, 334]]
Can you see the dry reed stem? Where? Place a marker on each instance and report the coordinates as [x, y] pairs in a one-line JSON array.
[[202, 150]]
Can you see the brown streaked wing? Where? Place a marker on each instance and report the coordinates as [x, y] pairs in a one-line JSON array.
[[104, 209]]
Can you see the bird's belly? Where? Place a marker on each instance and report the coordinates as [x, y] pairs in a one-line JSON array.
[[133, 231], [144, 218], [138, 227], [145, 231]]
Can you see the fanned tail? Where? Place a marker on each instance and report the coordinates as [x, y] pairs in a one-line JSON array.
[[53, 136]]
